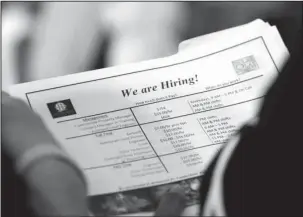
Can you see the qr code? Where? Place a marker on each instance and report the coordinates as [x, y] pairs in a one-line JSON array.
[[244, 65]]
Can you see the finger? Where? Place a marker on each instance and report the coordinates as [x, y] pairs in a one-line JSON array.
[[178, 190], [172, 203], [4, 94], [4, 97], [9, 101]]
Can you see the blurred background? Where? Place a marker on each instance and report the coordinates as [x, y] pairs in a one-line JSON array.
[[47, 39]]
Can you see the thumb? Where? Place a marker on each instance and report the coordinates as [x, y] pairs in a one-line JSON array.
[[172, 203]]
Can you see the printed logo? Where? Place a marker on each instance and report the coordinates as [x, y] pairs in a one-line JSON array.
[[244, 65], [61, 108]]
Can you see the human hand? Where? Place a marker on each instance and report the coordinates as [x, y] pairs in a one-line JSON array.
[[55, 187], [22, 129], [172, 203]]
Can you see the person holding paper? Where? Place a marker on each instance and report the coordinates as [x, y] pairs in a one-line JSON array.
[[257, 173], [46, 181]]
